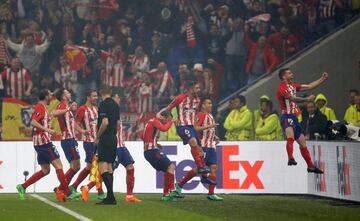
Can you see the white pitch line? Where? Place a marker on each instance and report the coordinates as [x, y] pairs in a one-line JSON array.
[[65, 210]]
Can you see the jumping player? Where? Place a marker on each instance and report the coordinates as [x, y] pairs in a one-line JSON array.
[[205, 125], [66, 121], [155, 157], [124, 158], [286, 95], [85, 123], [187, 105], [46, 151]]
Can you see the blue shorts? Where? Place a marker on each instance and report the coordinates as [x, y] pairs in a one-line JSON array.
[[157, 159], [210, 156], [70, 149], [46, 153], [89, 148], [290, 120], [123, 157], [186, 133]]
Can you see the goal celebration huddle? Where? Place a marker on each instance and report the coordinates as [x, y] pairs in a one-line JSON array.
[[103, 140]]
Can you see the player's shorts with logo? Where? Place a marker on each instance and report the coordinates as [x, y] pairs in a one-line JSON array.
[[290, 120], [46, 153], [210, 156], [186, 133], [157, 159], [123, 157], [70, 148]]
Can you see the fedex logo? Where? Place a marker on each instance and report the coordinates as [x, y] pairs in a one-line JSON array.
[[225, 167]]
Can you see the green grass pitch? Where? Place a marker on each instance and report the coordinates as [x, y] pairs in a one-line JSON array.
[[192, 207]]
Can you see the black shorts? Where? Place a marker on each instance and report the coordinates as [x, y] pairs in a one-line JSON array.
[[107, 148]]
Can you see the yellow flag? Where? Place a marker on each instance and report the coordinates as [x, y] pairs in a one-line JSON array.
[[95, 173]]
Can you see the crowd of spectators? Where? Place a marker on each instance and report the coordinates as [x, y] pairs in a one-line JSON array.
[[318, 121], [144, 49]]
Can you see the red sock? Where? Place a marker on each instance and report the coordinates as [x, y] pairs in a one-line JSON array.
[[290, 148], [199, 160], [165, 185], [82, 175], [171, 179], [100, 190], [35, 177], [64, 185], [306, 155], [187, 177], [70, 174], [130, 180], [211, 186]]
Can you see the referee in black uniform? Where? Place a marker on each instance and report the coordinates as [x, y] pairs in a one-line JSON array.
[[106, 141]]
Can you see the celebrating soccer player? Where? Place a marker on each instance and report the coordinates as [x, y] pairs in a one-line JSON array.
[[106, 141], [187, 105], [286, 95], [46, 151], [205, 125], [155, 157], [85, 123], [124, 158]]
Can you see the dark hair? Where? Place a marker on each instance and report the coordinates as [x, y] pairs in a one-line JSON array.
[[242, 99], [43, 93], [166, 113], [191, 81], [268, 103], [89, 92], [105, 89], [311, 102], [59, 93], [282, 72], [354, 91], [203, 99]]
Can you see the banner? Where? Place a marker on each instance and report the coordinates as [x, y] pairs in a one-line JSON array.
[[341, 163], [75, 57]]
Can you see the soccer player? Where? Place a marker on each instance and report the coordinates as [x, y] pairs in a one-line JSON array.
[[205, 125], [66, 121], [155, 157], [187, 105], [286, 94], [85, 123], [46, 151], [106, 141], [124, 158]]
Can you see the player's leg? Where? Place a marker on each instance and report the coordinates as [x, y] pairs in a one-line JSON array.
[[212, 176], [45, 170], [106, 171], [306, 155], [89, 152], [289, 133], [130, 182], [198, 155], [169, 183]]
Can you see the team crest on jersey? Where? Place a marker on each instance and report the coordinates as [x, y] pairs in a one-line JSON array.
[[26, 116]]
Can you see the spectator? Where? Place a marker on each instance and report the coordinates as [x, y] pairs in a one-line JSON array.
[[284, 43], [261, 59], [214, 44], [221, 117], [4, 52], [258, 112], [183, 71], [66, 30], [64, 76], [268, 126], [213, 73], [156, 51], [314, 123], [239, 123], [145, 94], [321, 103], [351, 114], [30, 54], [198, 71], [17, 80], [92, 29], [140, 62], [236, 54], [164, 84], [48, 81], [115, 70]]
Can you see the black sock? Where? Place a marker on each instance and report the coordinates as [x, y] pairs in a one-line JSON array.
[[107, 178]]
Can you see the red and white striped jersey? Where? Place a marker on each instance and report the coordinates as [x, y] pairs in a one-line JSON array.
[[16, 82], [114, 73], [142, 64], [165, 84], [284, 92], [66, 122], [145, 98], [66, 77], [207, 136], [42, 116], [87, 118], [120, 135], [152, 131], [186, 109]]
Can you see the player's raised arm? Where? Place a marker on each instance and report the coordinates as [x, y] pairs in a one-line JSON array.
[[302, 99], [316, 83]]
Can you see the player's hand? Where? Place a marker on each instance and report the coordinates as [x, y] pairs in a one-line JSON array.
[[51, 131], [324, 76], [217, 139], [159, 146], [311, 98], [96, 141], [212, 125], [158, 116]]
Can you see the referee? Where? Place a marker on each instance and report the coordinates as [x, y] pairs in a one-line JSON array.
[[106, 141]]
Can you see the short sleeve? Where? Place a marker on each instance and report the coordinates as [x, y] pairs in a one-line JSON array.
[[80, 115], [200, 117], [38, 113], [61, 106], [177, 100], [297, 86]]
